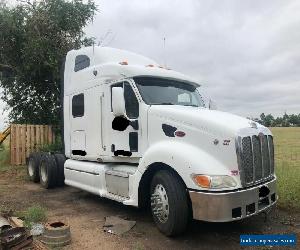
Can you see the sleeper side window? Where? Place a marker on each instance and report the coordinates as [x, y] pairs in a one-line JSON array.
[[81, 62], [78, 105], [131, 102]]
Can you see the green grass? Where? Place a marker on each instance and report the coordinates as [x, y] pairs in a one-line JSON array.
[[287, 160], [33, 214]]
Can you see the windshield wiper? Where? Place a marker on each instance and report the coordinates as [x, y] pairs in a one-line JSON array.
[[163, 103], [191, 105], [167, 103]]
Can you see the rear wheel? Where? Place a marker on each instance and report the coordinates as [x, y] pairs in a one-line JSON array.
[[169, 203], [48, 171], [60, 162], [33, 164]]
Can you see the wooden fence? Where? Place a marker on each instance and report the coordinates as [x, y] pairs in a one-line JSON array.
[[25, 139]]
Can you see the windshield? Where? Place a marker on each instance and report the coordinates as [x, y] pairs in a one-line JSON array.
[[158, 91]]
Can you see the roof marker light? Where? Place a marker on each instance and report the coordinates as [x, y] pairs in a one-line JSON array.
[[123, 63], [150, 65]]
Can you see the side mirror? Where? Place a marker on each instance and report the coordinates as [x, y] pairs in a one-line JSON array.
[[118, 101]]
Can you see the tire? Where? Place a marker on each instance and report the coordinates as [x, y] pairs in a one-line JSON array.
[[48, 171], [169, 194], [33, 165], [60, 161]]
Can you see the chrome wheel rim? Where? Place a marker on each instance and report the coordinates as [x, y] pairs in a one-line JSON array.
[[43, 172], [30, 168], [160, 203]]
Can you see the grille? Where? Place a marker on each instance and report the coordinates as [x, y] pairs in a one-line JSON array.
[[256, 158]]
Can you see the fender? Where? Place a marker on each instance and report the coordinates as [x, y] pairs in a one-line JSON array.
[[184, 158]]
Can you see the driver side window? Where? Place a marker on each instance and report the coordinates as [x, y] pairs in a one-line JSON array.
[[131, 102]]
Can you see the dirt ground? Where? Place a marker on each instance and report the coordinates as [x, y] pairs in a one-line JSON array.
[[86, 214]]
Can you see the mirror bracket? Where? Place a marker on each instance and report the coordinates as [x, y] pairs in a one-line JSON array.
[[134, 124]]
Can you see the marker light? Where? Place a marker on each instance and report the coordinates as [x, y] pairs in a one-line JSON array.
[[202, 180], [150, 65], [214, 181], [179, 133]]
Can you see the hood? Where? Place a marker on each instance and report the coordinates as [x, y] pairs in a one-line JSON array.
[[210, 121]]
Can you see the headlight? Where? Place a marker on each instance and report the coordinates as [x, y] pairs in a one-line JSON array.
[[214, 181]]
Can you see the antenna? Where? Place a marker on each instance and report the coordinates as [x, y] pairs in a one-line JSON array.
[[111, 40], [103, 38], [164, 52]]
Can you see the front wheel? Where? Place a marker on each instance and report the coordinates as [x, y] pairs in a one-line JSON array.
[[169, 203]]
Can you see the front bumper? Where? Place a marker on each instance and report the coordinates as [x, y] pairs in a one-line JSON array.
[[233, 205]]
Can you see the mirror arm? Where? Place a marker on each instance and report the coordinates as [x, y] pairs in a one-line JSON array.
[[134, 124]]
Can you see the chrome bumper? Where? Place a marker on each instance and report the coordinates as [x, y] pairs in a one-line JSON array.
[[233, 205]]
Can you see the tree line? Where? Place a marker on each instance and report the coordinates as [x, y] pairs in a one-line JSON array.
[[286, 120]]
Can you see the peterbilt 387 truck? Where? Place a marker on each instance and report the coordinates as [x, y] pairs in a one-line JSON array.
[[144, 135]]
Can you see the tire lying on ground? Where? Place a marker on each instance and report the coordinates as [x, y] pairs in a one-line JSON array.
[[169, 203], [33, 165], [48, 171], [60, 161]]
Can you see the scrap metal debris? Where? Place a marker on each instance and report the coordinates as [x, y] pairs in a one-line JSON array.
[[4, 224], [117, 225], [15, 238], [12, 233]]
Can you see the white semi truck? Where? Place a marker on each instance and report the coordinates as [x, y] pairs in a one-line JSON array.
[[142, 134]]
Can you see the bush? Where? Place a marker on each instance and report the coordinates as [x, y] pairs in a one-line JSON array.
[[55, 147], [4, 157]]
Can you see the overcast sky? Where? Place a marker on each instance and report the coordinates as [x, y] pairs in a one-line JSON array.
[[245, 53]]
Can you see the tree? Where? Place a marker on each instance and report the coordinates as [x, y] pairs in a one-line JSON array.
[[35, 37], [262, 118], [267, 120], [284, 121], [294, 120]]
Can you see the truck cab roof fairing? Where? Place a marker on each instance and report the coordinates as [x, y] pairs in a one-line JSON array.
[[106, 62]]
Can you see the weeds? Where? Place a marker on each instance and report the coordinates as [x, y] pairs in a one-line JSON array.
[[34, 214]]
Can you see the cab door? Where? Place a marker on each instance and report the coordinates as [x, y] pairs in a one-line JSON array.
[[125, 131]]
